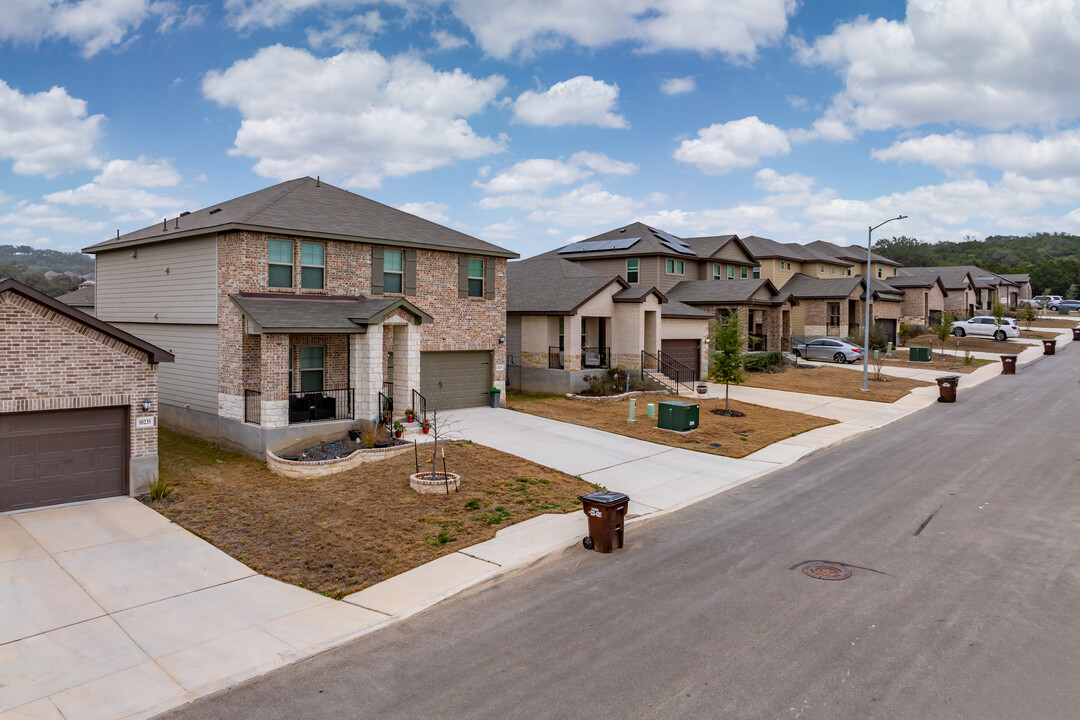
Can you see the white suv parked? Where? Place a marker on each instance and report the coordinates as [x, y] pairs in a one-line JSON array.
[[986, 326], [1045, 300]]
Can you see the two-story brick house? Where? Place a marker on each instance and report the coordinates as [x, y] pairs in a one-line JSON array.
[[296, 309]]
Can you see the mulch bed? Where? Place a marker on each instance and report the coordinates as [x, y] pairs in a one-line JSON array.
[[339, 534], [333, 449], [729, 436]]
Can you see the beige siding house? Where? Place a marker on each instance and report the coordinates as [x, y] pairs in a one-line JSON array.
[[300, 308]]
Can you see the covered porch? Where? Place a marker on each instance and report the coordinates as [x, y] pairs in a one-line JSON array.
[[310, 360]]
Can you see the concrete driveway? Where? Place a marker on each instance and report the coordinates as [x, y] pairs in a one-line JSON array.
[[112, 611]]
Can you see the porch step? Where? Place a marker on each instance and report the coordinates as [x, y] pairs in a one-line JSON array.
[[667, 382]]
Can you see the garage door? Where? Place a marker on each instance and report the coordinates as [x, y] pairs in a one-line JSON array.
[[455, 379], [47, 458], [889, 326], [686, 352]]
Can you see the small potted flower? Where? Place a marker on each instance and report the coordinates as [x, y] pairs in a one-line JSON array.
[[398, 429], [425, 425], [410, 415]]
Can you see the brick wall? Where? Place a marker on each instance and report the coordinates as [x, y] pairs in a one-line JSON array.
[[335, 359], [51, 362], [459, 323]]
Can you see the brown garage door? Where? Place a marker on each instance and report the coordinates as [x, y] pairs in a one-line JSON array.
[[47, 458], [686, 352], [455, 379]]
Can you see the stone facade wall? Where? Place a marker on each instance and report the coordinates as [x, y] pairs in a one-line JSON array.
[[459, 323], [52, 362], [770, 317]]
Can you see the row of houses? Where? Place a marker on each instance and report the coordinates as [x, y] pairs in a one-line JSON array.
[[298, 309]]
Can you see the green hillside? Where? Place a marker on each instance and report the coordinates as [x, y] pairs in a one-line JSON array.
[[28, 265], [1052, 259]]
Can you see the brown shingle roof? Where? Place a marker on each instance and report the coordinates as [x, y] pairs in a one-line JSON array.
[[82, 296], [319, 314], [308, 207], [546, 285]]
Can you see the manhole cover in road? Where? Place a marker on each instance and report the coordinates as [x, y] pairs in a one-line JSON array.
[[826, 571]]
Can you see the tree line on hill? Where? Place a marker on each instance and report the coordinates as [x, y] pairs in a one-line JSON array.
[[1051, 259], [28, 265]]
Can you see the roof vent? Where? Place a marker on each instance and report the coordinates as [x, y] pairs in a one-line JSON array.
[[215, 210], [185, 213]]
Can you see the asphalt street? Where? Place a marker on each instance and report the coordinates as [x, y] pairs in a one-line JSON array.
[[960, 523]]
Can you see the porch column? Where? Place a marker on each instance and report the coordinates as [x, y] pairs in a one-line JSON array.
[[406, 365], [366, 372], [274, 383], [572, 343]]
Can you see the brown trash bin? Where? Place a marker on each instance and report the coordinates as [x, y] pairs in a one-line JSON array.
[[1008, 364], [1076, 333], [1049, 347], [606, 511], [947, 388]]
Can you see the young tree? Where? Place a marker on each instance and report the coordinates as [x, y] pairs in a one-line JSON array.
[[998, 311], [728, 343], [943, 329], [1027, 314]]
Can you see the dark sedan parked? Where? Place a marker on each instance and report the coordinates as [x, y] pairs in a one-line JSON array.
[[839, 351]]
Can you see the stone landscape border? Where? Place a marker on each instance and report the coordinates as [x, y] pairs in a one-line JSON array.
[[301, 469]]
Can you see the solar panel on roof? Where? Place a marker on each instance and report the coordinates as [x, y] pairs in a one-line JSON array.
[[582, 246], [599, 245], [625, 243], [673, 242], [605, 244]]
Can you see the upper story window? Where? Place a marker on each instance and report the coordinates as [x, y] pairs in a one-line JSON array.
[[715, 271], [743, 272], [821, 267], [832, 269], [476, 277], [674, 267], [895, 271], [757, 273], [393, 271], [632, 271], [279, 263], [730, 272], [312, 265], [879, 271]]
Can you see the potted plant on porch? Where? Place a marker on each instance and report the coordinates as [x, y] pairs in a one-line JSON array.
[[410, 415], [398, 429], [425, 425]]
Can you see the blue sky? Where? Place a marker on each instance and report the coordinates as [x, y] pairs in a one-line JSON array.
[[531, 123]]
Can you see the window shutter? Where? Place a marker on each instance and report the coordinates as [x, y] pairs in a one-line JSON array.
[[489, 278], [463, 276], [376, 270], [410, 272]]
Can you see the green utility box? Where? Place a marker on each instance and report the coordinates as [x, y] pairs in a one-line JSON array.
[[920, 354], [1063, 311], [677, 415]]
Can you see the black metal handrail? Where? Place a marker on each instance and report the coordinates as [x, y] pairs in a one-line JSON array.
[[602, 356], [652, 363], [386, 408], [555, 357], [253, 407], [419, 404], [677, 370], [321, 405]]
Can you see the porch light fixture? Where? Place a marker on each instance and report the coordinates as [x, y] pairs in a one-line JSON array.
[[502, 338], [146, 404], [866, 327]]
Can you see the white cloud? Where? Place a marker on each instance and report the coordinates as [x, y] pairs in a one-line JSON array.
[[724, 147], [356, 116], [745, 219], [502, 230], [536, 175], [771, 181], [433, 211], [119, 186], [1054, 155], [47, 133], [991, 63], [94, 25], [26, 214], [348, 33], [251, 14], [735, 28], [581, 100], [678, 86], [448, 41], [798, 103], [586, 206]]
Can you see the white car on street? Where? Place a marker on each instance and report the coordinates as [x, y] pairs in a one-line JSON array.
[[986, 326]]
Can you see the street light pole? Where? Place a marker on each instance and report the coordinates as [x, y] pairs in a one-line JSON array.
[[866, 326]]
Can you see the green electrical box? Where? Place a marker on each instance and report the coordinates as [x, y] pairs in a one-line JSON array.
[[920, 354], [1063, 311], [676, 415]]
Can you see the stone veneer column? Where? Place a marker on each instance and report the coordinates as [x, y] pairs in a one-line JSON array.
[[366, 371], [274, 369], [406, 365]]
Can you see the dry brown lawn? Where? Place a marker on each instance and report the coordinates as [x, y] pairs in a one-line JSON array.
[[340, 534], [1057, 321], [1036, 335], [974, 344], [833, 381], [737, 437], [943, 363]]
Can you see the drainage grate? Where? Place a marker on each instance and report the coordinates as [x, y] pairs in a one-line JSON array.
[[715, 445], [826, 571]]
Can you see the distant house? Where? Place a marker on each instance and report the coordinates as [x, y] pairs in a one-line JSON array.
[[297, 309], [986, 286], [81, 297]]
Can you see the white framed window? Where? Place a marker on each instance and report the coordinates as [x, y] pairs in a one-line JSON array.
[[674, 267], [279, 254], [393, 271], [744, 272], [716, 271], [312, 265], [632, 273], [476, 277], [757, 273], [730, 272]]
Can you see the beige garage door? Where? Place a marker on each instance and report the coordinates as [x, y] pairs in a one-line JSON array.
[[47, 458], [455, 379], [686, 352]]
